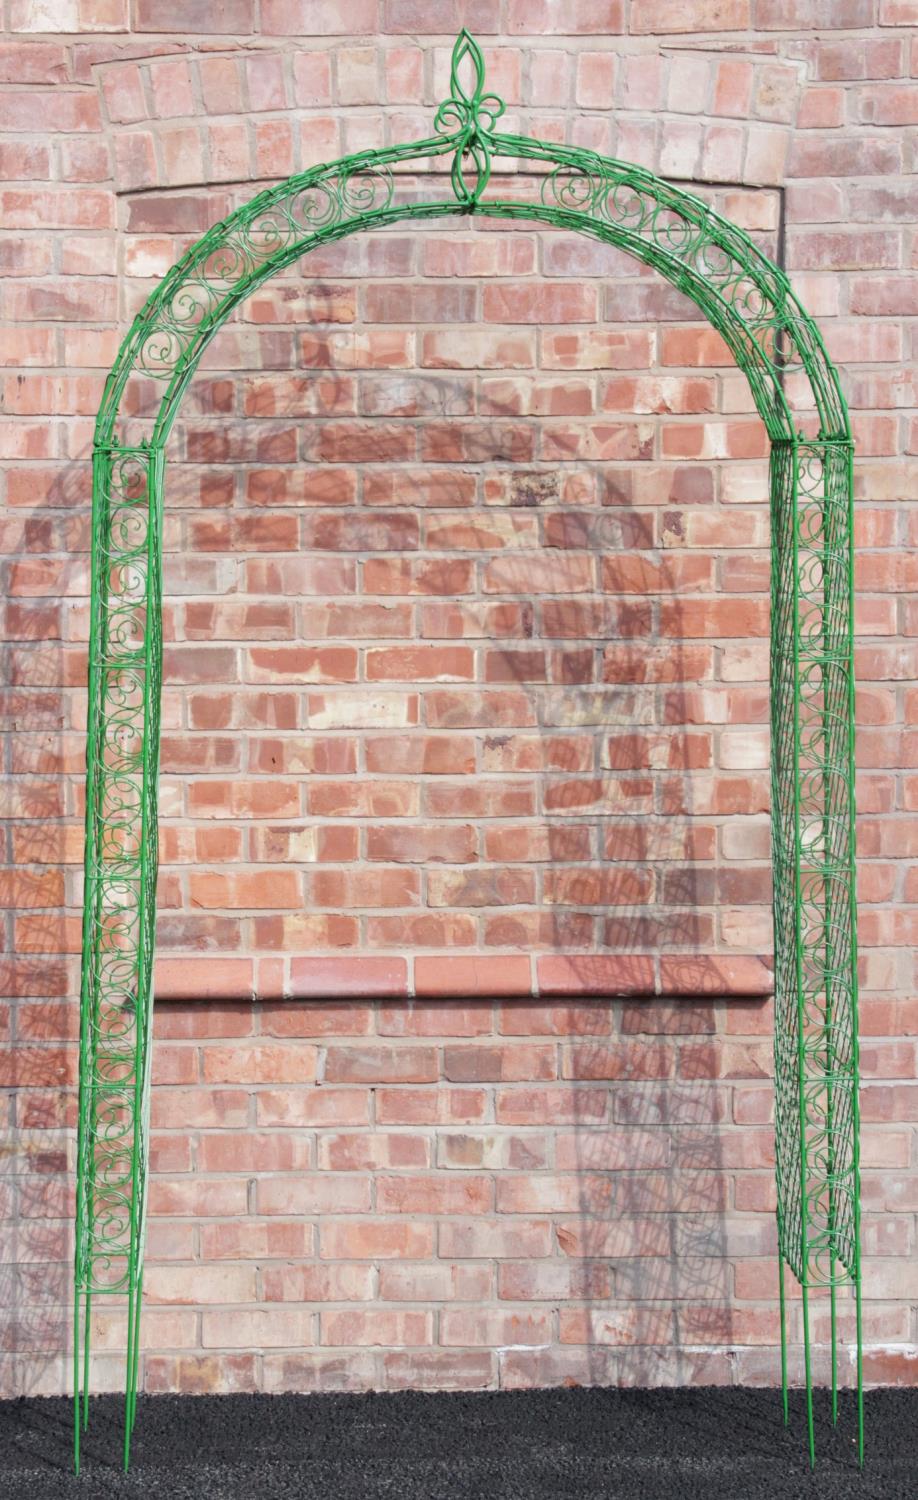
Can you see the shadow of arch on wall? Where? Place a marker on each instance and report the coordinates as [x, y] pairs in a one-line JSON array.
[[796, 391]]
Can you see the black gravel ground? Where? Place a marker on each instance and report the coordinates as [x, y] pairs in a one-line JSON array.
[[537, 1445]]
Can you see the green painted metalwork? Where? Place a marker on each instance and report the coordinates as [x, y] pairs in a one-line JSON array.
[[796, 390]]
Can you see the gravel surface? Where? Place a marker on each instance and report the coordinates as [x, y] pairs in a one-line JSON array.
[[532, 1445]]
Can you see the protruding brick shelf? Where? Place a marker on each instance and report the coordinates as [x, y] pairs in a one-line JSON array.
[[510, 976]]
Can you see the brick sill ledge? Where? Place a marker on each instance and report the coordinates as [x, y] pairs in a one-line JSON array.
[[465, 976]]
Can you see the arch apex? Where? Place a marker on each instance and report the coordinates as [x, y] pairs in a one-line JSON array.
[[468, 118]]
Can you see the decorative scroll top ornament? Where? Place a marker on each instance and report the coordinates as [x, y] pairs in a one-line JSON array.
[[468, 118]]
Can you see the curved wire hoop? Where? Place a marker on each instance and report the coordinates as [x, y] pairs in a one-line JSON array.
[[779, 349]]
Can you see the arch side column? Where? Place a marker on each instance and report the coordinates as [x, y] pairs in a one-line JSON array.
[[816, 1044], [120, 864]]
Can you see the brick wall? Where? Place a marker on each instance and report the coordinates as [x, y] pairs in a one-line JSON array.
[[464, 724]]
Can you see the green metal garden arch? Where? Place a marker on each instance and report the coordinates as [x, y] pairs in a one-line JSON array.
[[749, 301]]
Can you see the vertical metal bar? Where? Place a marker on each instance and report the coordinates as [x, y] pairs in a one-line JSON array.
[[146, 899], [132, 1383], [855, 1028], [76, 1383], [129, 1364], [87, 1344], [859, 1335], [808, 1374], [99, 584], [833, 1334], [783, 1335], [829, 668], [798, 944], [780, 496]]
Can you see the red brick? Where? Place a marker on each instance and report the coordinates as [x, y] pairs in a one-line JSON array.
[[326, 977], [471, 976], [312, 1107], [200, 1374], [493, 886], [27, 888], [715, 975], [232, 16], [387, 1326], [495, 1064], [407, 1106], [383, 1064], [317, 1194], [594, 974], [279, 888], [259, 1063], [554, 302], [203, 978], [380, 887], [409, 15], [416, 1194], [383, 1239], [36, 1067], [419, 664], [361, 1152], [62, 111], [454, 844], [627, 1325], [317, 1283], [266, 1152], [450, 1369]]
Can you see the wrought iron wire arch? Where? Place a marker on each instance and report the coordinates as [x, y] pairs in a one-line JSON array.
[[749, 301]]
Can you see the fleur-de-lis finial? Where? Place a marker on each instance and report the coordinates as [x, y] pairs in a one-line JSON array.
[[468, 118]]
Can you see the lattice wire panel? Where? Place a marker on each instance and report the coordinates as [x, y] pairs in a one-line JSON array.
[[121, 855], [788, 1134], [827, 938], [812, 802]]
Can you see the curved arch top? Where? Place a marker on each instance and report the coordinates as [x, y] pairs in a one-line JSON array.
[[740, 291], [796, 391]]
